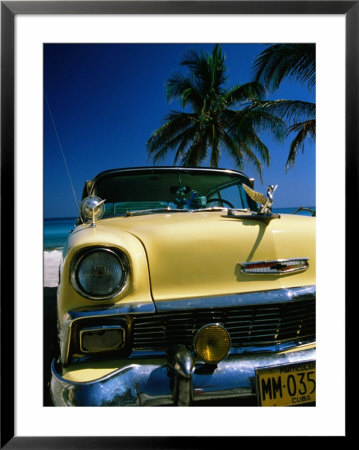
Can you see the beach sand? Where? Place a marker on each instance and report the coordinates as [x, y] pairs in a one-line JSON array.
[[52, 259]]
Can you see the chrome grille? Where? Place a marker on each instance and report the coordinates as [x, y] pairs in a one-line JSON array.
[[258, 325]]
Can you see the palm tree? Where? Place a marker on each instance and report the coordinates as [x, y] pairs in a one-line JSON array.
[[214, 118], [296, 61]]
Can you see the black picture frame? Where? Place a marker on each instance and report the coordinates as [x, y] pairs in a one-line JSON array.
[[9, 9]]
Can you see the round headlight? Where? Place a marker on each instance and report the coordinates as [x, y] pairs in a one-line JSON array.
[[99, 273], [212, 343]]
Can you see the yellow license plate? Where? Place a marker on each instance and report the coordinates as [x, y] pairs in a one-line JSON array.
[[287, 385]]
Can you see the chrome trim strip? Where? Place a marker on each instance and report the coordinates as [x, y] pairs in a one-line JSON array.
[[100, 311], [155, 211], [234, 351], [244, 299]]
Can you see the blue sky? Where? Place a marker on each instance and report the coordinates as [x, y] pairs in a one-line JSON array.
[[107, 99]]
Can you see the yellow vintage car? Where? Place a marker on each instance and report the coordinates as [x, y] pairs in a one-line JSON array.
[[180, 286]]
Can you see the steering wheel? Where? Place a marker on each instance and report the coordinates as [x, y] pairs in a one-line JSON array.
[[220, 200]]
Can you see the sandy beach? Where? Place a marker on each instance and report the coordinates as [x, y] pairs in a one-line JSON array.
[[52, 259]]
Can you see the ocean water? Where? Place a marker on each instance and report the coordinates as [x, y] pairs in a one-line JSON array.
[[57, 230], [291, 210]]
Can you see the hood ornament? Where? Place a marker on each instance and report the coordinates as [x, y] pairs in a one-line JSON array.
[[265, 202], [92, 208]]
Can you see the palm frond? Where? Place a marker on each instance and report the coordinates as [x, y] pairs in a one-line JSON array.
[[234, 149], [308, 125], [253, 143], [180, 142], [196, 152], [174, 125], [290, 110], [245, 92], [208, 70], [183, 146], [255, 121], [185, 89], [296, 61], [304, 131], [251, 159]]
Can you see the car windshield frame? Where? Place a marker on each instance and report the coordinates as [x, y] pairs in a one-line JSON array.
[[182, 190]]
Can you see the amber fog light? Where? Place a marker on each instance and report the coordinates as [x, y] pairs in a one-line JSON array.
[[212, 343], [101, 339]]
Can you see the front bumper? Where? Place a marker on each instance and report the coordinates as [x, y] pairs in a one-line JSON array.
[[172, 380]]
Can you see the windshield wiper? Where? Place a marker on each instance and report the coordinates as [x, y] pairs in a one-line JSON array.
[[175, 210], [154, 211], [221, 208]]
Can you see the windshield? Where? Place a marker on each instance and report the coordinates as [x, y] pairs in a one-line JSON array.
[[184, 190]]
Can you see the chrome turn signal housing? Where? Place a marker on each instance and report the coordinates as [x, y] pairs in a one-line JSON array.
[[212, 343]]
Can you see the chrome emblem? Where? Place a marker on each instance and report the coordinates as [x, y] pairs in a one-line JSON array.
[[278, 266]]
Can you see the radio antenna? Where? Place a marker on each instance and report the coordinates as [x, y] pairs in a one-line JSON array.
[[62, 153]]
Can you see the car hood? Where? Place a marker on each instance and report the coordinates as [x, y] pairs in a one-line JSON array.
[[200, 254]]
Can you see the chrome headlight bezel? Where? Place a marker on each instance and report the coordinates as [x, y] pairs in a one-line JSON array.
[[121, 259]]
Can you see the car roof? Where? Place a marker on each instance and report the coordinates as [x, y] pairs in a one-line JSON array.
[[166, 168]]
